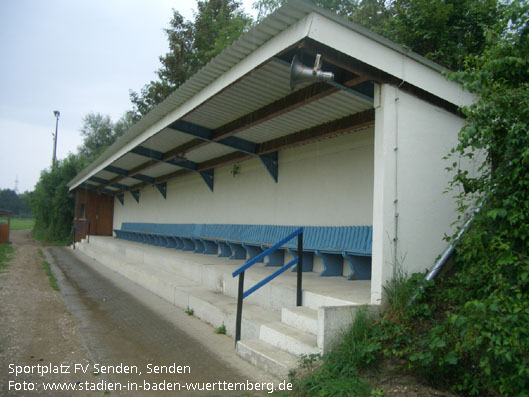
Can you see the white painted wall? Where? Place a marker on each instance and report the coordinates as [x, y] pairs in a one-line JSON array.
[[415, 175], [324, 183]]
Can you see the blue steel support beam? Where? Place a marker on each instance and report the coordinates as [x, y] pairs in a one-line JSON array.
[[271, 163], [186, 164], [206, 134], [105, 182], [116, 170], [162, 187], [123, 172], [159, 156], [208, 178], [241, 145], [136, 195], [121, 198], [94, 188]]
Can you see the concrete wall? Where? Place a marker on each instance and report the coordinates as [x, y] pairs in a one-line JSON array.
[[324, 183], [411, 138]]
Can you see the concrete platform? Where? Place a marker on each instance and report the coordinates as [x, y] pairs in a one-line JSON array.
[[271, 321]]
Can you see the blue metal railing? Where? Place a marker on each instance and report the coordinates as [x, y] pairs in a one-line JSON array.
[[79, 229], [240, 272]]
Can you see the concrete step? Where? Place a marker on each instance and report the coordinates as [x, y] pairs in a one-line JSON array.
[[267, 357], [302, 318], [289, 339], [210, 306], [215, 274]]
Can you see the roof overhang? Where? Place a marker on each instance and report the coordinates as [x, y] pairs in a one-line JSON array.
[[240, 105]]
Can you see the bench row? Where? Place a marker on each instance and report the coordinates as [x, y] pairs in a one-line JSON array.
[[332, 244]]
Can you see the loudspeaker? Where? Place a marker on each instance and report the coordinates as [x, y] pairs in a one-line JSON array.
[[300, 73]]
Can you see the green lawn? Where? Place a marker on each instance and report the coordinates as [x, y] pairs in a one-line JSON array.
[[19, 223]]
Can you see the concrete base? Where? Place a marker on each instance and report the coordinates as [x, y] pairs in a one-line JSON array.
[[274, 331]]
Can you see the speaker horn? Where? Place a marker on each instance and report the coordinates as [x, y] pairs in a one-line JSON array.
[[300, 73]]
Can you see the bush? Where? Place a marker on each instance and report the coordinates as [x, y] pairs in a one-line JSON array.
[[51, 202], [480, 343]]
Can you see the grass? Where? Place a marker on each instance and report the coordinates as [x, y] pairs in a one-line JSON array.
[[189, 311], [47, 270], [344, 370], [21, 223], [337, 373], [6, 251], [221, 330]]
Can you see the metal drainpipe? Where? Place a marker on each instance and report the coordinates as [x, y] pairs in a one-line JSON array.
[[448, 252], [396, 192]]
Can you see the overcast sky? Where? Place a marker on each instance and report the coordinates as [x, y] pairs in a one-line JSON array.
[[75, 56]]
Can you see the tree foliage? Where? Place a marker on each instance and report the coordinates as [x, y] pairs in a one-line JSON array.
[[51, 202], [191, 45], [482, 348], [445, 31], [99, 132], [18, 204]]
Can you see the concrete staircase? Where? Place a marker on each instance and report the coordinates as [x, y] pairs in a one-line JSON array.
[[274, 331]]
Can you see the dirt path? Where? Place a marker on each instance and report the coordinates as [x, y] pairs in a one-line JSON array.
[[35, 327], [101, 319]]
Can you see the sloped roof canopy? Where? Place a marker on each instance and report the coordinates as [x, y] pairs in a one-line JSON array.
[[240, 105]]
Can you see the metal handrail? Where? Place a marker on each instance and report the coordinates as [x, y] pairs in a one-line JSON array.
[[78, 229], [240, 272]]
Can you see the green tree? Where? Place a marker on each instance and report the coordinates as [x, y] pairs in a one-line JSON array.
[[99, 132], [445, 31], [51, 203], [487, 328], [18, 204], [9, 200], [191, 45], [344, 8]]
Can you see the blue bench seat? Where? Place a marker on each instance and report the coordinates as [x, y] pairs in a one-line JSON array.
[[333, 244]]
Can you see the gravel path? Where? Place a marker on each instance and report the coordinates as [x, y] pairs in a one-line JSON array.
[[101, 319], [35, 327]]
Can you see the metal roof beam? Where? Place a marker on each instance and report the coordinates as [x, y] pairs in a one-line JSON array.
[[284, 105], [275, 109], [159, 156], [136, 195], [125, 174], [162, 188], [185, 164], [104, 182], [241, 145], [206, 134], [347, 124], [88, 186]]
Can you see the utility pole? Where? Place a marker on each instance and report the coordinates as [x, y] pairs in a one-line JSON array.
[[54, 160]]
